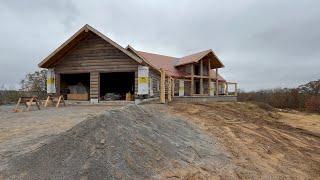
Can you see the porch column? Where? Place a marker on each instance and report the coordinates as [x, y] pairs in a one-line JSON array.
[[173, 87], [209, 77], [217, 83], [58, 83], [162, 86], [201, 76], [192, 80], [169, 89]]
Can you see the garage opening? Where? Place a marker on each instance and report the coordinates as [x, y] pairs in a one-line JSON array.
[[117, 86], [75, 86]]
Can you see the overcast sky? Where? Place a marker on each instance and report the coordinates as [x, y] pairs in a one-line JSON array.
[[263, 43]]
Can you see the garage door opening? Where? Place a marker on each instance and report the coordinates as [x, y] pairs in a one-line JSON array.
[[117, 86], [75, 86]]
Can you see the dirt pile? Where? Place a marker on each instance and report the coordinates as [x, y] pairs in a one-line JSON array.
[[134, 142], [264, 144]]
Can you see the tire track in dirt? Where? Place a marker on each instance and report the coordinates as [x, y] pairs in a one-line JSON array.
[[262, 146]]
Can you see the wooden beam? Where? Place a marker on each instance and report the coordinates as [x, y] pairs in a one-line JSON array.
[[162, 86], [201, 74], [173, 87], [217, 83], [192, 80], [58, 83], [169, 89], [209, 80]]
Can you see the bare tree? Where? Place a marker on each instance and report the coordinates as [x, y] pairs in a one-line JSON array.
[[35, 81]]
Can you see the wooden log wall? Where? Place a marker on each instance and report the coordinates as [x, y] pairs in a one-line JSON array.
[[94, 55]]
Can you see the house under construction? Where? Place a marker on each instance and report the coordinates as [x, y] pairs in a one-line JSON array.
[[90, 66]]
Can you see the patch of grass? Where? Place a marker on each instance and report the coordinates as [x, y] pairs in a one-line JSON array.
[[9, 96]]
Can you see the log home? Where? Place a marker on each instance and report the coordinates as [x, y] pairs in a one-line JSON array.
[[90, 66]]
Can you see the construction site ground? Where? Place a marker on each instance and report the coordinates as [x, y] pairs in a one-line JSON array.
[[26, 131], [176, 141]]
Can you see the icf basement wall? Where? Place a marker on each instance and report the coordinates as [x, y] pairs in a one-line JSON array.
[[94, 55]]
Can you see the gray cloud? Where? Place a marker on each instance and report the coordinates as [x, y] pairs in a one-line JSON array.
[[264, 44]]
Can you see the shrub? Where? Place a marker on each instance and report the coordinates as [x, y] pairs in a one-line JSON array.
[[9, 96], [313, 104]]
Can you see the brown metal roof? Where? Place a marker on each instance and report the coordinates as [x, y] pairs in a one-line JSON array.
[[193, 58], [162, 62], [168, 63]]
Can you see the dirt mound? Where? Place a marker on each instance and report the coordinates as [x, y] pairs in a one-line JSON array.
[[264, 144], [130, 143]]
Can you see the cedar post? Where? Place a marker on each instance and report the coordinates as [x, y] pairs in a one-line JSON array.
[[162, 86], [217, 83], [192, 80], [57, 83], [169, 89], [173, 87], [201, 76], [209, 76]]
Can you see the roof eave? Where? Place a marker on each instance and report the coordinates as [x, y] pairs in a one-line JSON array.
[[197, 60]]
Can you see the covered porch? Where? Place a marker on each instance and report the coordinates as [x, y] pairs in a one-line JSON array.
[[199, 79]]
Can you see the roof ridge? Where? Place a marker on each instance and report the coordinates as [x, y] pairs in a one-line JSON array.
[[208, 50], [158, 54]]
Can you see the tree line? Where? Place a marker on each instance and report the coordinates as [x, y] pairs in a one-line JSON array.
[[305, 97]]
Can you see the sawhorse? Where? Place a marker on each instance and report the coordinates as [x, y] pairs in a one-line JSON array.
[[27, 102], [52, 99]]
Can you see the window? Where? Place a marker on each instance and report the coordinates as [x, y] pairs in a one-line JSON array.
[[158, 85]]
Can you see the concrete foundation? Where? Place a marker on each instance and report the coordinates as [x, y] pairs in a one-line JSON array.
[[204, 98]]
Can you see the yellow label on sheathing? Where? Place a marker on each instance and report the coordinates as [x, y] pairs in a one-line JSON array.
[[50, 80], [143, 80]]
